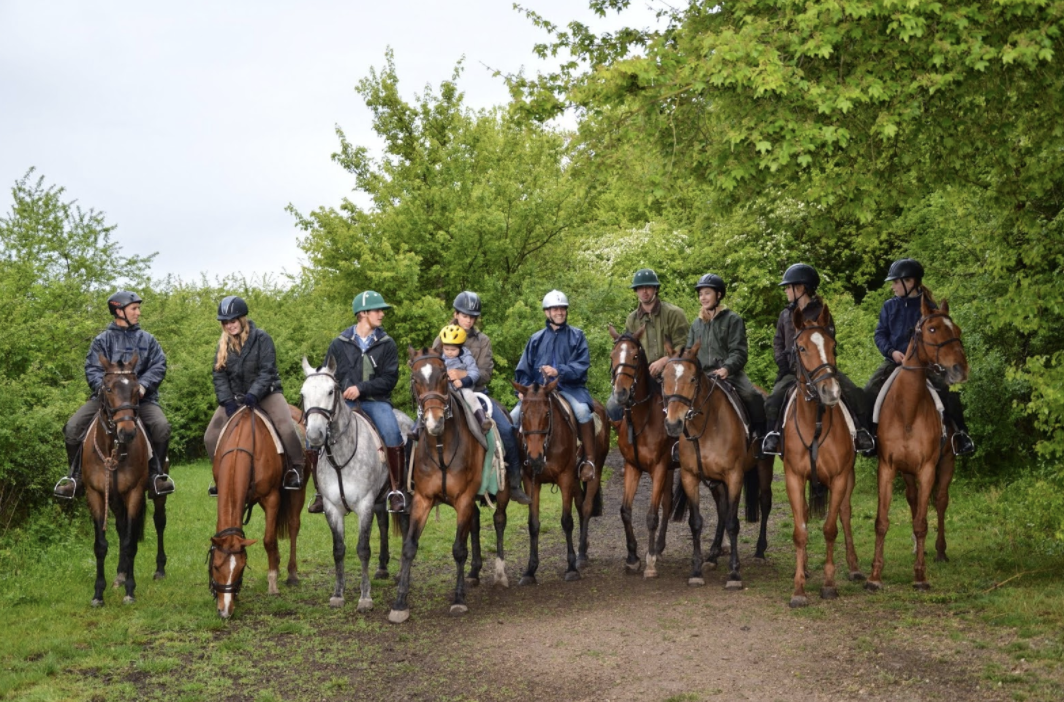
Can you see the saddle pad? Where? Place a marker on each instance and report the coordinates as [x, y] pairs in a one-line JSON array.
[[931, 388], [792, 394], [736, 402], [265, 420], [471, 421], [367, 424]]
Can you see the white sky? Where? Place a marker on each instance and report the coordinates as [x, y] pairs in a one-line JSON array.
[[192, 125]]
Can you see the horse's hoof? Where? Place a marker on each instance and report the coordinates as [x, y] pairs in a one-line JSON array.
[[799, 601], [924, 586], [500, 573], [650, 574], [696, 582], [159, 575], [571, 575], [873, 586], [941, 558], [527, 580], [633, 567], [472, 582], [96, 603], [829, 593], [336, 602], [381, 574], [398, 616], [458, 610], [856, 576], [128, 599], [292, 581], [733, 585], [365, 605], [582, 563]]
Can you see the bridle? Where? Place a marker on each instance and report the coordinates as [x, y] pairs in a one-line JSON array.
[[933, 366], [226, 588], [546, 433], [420, 401], [810, 379], [110, 412], [332, 415], [692, 411], [627, 370]]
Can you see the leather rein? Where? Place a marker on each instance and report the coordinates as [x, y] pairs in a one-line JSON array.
[[444, 401], [332, 416], [693, 412], [809, 380], [637, 369]]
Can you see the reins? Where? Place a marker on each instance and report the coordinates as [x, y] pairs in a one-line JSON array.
[[638, 369], [693, 412], [226, 588], [332, 416], [446, 407], [809, 380]]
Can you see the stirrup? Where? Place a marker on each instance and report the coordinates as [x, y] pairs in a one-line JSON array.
[[402, 497], [953, 444], [155, 485], [212, 490], [871, 450], [580, 470], [299, 479], [779, 440], [63, 481]]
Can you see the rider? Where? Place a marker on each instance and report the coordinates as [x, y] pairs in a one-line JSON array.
[[560, 352], [467, 309], [661, 321], [800, 283], [122, 339], [723, 352], [367, 369], [462, 370], [897, 321], [245, 373]]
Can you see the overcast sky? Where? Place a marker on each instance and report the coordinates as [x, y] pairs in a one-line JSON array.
[[192, 125]]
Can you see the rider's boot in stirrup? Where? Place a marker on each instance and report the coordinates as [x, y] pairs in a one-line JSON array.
[[864, 441], [158, 479], [311, 458], [396, 498], [485, 423], [513, 472], [70, 485], [293, 478], [771, 445], [586, 468]]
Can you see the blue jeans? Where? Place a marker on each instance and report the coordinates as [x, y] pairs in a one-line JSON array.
[[582, 411], [380, 413], [509, 444]]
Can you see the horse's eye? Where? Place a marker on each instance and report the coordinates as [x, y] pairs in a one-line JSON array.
[[801, 349], [931, 330]]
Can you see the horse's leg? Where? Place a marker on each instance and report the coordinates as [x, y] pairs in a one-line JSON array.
[[911, 498], [764, 481], [839, 485], [583, 511], [134, 524], [845, 511], [666, 504], [720, 499], [568, 488], [925, 480], [944, 478], [796, 496], [631, 482], [657, 487], [159, 517], [529, 576], [419, 514], [465, 509], [295, 512], [382, 555], [122, 529], [734, 494], [476, 562], [365, 532], [694, 520], [886, 487], [334, 516], [499, 520], [271, 506], [95, 501]]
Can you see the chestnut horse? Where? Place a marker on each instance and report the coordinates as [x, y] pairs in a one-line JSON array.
[[247, 471], [447, 468], [714, 449], [549, 439], [911, 438], [114, 461], [644, 444], [818, 447]]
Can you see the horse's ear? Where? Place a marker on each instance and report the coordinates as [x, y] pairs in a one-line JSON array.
[[330, 364], [411, 354], [613, 333], [798, 318], [133, 361], [945, 307], [693, 351], [248, 542], [307, 368], [824, 318], [669, 350], [103, 361], [639, 334], [550, 387], [523, 389]]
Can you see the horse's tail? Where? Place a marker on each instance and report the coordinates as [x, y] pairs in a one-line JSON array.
[[752, 487], [679, 502], [283, 512], [818, 499], [397, 528]]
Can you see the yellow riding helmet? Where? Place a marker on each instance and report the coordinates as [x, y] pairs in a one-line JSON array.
[[453, 334]]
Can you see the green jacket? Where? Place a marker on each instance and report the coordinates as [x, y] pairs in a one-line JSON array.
[[664, 321], [723, 342]]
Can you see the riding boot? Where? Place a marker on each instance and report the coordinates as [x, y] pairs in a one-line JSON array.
[[757, 435], [513, 469], [485, 424], [864, 440], [770, 446], [962, 443], [586, 466], [158, 479], [396, 498], [70, 486], [311, 458]]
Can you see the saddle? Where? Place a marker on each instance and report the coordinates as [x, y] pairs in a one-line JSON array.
[[737, 403], [931, 388], [265, 419]]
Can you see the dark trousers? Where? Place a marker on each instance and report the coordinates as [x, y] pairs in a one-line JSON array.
[[951, 401], [752, 399], [150, 414]]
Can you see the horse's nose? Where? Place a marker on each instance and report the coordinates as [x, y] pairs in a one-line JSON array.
[[673, 428], [620, 395], [958, 373]]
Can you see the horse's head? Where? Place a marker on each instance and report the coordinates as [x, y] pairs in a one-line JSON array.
[[537, 421], [938, 343], [226, 562], [680, 383], [428, 384], [625, 361], [814, 345], [322, 399], [120, 398]]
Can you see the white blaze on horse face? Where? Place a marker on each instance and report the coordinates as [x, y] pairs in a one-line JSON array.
[[426, 372], [948, 321], [227, 597], [679, 369], [624, 354], [818, 341]]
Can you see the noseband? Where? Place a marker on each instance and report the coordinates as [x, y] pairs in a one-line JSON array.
[[226, 588], [627, 370], [934, 366], [689, 402], [546, 433], [444, 399], [110, 412], [810, 379]]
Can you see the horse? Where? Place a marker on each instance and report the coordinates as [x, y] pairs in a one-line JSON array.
[[248, 471], [715, 451], [911, 438], [447, 467], [644, 444], [352, 472], [549, 441], [818, 447], [115, 454]]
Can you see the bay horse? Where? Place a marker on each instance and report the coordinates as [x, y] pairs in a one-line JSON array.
[[911, 438], [818, 448], [644, 444], [446, 468], [714, 450], [352, 472], [115, 454], [248, 471], [549, 441]]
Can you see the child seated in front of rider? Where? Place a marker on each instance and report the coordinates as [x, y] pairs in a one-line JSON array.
[[462, 370]]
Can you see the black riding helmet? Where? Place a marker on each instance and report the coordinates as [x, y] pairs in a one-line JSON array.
[[121, 300], [711, 280], [232, 307], [645, 277], [467, 302], [905, 268], [802, 274]]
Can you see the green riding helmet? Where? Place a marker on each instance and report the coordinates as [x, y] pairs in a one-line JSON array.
[[369, 300], [645, 277]]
